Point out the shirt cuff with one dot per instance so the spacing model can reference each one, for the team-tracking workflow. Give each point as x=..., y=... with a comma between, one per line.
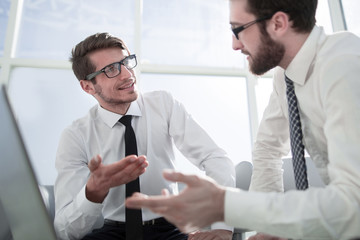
x=221, y=225
x=87, y=207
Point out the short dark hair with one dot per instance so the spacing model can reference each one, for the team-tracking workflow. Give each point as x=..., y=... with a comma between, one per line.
x=81, y=64
x=301, y=12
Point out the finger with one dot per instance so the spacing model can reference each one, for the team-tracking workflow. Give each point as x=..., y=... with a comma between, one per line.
x=122, y=173
x=136, y=204
x=132, y=169
x=140, y=168
x=139, y=195
x=129, y=162
x=165, y=192
x=174, y=176
x=153, y=202
x=135, y=162
x=94, y=163
x=142, y=158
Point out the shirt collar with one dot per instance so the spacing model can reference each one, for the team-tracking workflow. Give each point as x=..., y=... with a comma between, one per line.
x=298, y=68
x=111, y=118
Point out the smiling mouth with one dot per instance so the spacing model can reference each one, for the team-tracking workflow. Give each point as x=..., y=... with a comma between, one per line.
x=129, y=85
x=245, y=53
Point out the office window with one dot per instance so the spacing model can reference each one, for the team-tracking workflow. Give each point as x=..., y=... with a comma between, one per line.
x=44, y=108
x=4, y=17
x=187, y=32
x=219, y=105
x=323, y=16
x=49, y=29
x=263, y=91
x=351, y=10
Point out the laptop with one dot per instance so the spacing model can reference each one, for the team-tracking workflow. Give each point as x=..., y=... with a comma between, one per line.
x=20, y=197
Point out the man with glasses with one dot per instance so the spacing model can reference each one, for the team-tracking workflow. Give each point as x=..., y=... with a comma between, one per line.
x=322, y=72
x=91, y=163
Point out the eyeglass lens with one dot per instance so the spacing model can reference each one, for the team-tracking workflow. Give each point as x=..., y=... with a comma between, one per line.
x=114, y=69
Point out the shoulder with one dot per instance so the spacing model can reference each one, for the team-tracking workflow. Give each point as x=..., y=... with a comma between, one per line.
x=337, y=55
x=338, y=45
x=156, y=99
x=156, y=95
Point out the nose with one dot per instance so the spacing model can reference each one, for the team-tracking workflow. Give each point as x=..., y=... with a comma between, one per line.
x=236, y=44
x=125, y=73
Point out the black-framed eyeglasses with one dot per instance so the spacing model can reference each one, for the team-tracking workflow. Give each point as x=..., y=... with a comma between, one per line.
x=114, y=69
x=237, y=30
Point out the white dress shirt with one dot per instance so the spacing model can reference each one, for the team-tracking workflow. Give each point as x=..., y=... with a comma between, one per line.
x=158, y=122
x=326, y=75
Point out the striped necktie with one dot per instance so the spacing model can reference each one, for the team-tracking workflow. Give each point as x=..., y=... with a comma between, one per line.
x=296, y=137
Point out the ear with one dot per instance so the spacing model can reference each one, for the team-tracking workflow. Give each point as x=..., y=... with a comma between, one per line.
x=87, y=86
x=279, y=24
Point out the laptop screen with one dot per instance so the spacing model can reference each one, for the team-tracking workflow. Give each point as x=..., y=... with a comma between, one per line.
x=20, y=196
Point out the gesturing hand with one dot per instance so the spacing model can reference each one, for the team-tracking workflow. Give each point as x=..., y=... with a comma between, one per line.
x=103, y=177
x=198, y=205
x=261, y=236
x=216, y=234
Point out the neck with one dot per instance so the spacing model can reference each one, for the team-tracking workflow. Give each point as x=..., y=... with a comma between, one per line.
x=293, y=44
x=121, y=108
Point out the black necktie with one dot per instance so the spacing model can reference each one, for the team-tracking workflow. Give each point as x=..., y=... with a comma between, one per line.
x=296, y=137
x=133, y=217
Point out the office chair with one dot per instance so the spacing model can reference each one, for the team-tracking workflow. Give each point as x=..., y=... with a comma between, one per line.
x=312, y=172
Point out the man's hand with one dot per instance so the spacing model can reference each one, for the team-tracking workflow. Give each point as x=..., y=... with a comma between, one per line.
x=262, y=236
x=217, y=234
x=198, y=205
x=103, y=177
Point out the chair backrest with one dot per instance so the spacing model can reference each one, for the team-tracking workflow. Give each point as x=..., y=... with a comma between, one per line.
x=312, y=172
x=243, y=174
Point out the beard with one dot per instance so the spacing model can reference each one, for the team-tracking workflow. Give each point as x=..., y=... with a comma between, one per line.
x=111, y=100
x=269, y=55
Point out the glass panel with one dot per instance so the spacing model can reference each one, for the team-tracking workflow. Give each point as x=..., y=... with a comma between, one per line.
x=50, y=29
x=212, y=101
x=45, y=101
x=323, y=16
x=351, y=11
x=4, y=17
x=187, y=32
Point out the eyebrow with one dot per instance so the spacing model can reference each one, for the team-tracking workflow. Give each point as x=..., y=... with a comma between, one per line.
x=114, y=62
x=236, y=24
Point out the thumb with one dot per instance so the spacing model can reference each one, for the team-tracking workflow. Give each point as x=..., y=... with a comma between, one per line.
x=94, y=163
x=165, y=192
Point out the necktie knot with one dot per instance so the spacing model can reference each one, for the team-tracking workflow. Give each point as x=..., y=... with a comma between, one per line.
x=289, y=83
x=126, y=120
